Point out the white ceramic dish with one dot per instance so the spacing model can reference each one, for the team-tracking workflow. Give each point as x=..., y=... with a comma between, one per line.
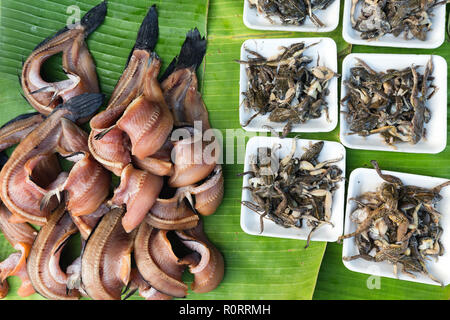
x=326, y=49
x=435, y=37
x=257, y=21
x=250, y=221
x=363, y=180
x=436, y=130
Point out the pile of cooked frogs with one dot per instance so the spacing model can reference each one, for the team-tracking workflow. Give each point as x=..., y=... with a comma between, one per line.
x=140, y=235
x=286, y=86
x=392, y=104
x=294, y=190
x=398, y=224
x=376, y=18
x=292, y=12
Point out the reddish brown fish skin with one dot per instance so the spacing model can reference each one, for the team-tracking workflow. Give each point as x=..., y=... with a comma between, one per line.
x=13, y=133
x=77, y=63
x=209, y=195
x=157, y=263
x=21, y=237
x=108, y=248
x=154, y=165
x=44, y=169
x=182, y=96
x=148, y=125
x=159, y=163
x=113, y=149
x=147, y=120
x=138, y=190
x=191, y=165
x=88, y=186
x=86, y=223
x=18, y=192
x=171, y=214
x=209, y=271
x=145, y=290
x=43, y=263
x=129, y=87
x=15, y=233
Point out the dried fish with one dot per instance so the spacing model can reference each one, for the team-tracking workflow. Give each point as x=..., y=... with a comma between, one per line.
x=291, y=12
x=286, y=87
x=301, y=188
x=391, y=103
x=77, y=64
x=399, y=224
x=377, y=18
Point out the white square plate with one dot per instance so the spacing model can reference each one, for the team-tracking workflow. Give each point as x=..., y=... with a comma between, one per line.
x=327, y=51
x=363, y=180
x=436, y=129
x=250, y=220
x=435, y=37
x=329, y=17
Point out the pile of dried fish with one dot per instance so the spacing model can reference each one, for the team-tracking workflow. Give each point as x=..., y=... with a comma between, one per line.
x=391, y=103
x=286, y=87
x=410, y=17
x=294, y=189
x=293, y=12
x=148, y=219
x=399, y=224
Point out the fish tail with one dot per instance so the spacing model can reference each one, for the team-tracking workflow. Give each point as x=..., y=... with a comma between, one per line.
x=82, y=106
x=93, y=18
x=192, y=51
x=191, y=54
x=148, y=32
x=90, y=21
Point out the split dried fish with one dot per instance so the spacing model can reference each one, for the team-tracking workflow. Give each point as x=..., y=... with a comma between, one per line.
x=399, y=224
x=134, y=130
x=286, y=87
x=391, y=103
x=296, y=190
x=380, y=17
x=291, y=12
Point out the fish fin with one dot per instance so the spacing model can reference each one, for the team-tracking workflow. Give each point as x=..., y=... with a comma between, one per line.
x=81, y=106
x=191, y=54
x=192, y=51
x=94, y=18
x=148, y=32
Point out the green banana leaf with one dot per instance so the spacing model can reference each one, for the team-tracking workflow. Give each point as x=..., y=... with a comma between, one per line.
x=255, y=267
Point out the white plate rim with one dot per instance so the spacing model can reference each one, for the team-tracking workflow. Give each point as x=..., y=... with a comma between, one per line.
x=332, y=98
x=442, y=106
x=338, y=197
x=309, y=27
x=398, y=42
x=348, y=244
